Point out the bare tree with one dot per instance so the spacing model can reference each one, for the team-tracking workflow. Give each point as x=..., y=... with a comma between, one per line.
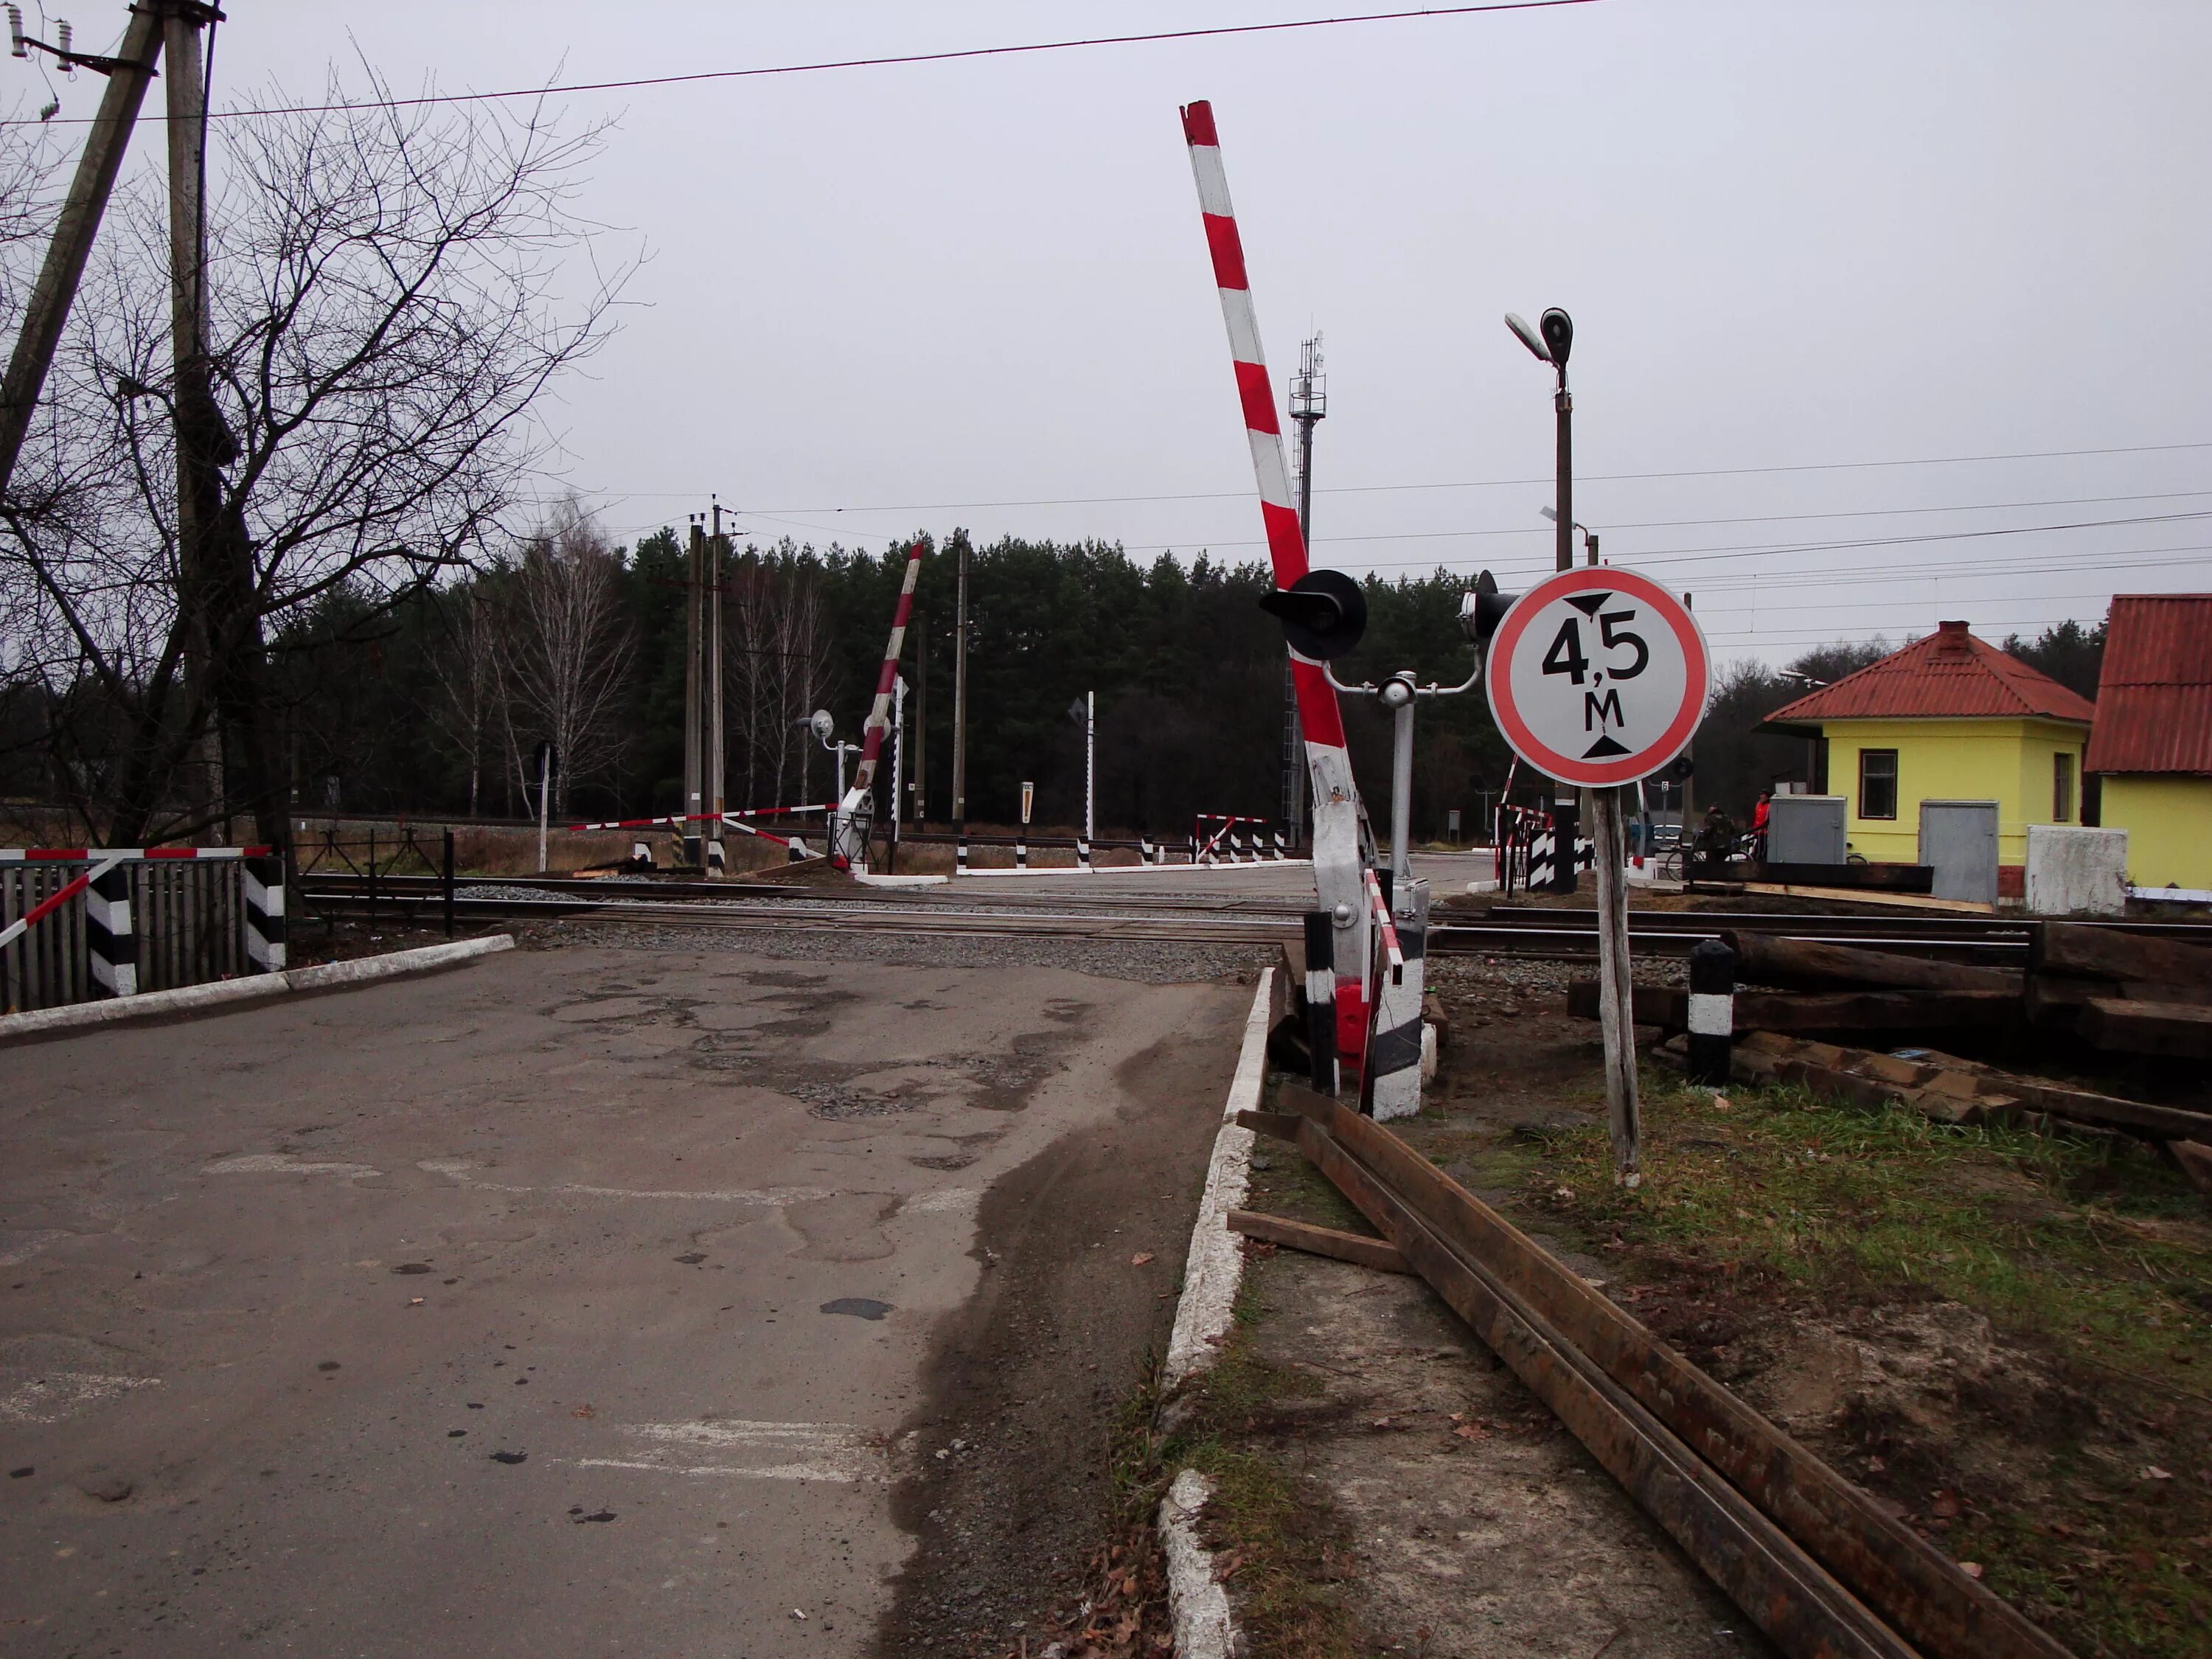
x=390, y=294
x=565, y=645
x=464, y=669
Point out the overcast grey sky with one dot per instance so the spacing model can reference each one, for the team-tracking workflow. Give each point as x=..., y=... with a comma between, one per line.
x=1791, y=236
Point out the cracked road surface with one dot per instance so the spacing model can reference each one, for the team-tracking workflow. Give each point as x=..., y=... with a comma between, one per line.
x=580, y=1300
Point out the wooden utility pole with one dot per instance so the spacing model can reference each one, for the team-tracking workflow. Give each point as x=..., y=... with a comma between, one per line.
x=960, y=700
x=46, y=313
x=694, y=851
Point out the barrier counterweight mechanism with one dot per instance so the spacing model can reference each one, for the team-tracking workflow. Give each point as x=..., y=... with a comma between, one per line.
x=848, y=837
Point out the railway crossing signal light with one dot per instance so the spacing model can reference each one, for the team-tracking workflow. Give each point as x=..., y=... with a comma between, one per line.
x=1323, y=613
x=1482, y=610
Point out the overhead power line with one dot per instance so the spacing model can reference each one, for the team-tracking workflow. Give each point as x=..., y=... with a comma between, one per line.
x=891, y=60
x=1453, y=484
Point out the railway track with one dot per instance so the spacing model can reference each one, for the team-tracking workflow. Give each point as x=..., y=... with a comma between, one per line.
x=1527, y=932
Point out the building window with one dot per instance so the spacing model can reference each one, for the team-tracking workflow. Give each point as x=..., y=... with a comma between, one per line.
x=2062, y=788
x=1877, y=783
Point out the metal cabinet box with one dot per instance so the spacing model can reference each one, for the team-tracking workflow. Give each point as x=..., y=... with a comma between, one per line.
x=1958, y=841
x=1805, y=830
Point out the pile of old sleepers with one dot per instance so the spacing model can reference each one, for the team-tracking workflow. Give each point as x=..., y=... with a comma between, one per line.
x=2127, y=994
x=1815, y=1560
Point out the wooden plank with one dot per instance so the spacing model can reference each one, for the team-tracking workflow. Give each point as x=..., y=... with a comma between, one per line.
x=1854, y=877
x=1377, y=1253
x=1667, y=1008
x=2084, y=948
x=2171, y=1028
x=1907, y=1579
x=1852, y=896
x=1810, y=964
x=1283, y=1126
x=1874, y=1078
x=1779, y=1586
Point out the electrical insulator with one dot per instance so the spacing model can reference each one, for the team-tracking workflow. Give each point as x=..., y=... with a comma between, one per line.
x=16, y=46
x=62, y=34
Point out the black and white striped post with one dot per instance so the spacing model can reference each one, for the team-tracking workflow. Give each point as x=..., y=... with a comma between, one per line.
x=1320, y=999
x=111, y=940
x=1146, y=850
x=446, y=884
x=959, y=855
x=1712, y=1014
x=1082, y=851
x=1022, y=851
x=263, y=879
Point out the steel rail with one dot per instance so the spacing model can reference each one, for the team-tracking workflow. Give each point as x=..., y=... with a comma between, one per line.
x=1814, y=1559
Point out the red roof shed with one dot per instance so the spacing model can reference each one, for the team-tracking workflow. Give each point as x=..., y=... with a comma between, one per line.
x=1949, y=675
x=2155, y=695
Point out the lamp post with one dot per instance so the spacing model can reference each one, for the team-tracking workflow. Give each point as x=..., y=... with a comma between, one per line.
x=1589, y=536
x=1550, y=342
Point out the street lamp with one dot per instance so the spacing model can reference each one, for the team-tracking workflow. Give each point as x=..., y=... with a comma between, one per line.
x=1589, y=536
x=1550, y=342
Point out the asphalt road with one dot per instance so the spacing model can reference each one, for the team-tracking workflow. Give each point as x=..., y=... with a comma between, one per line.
x=583, y=1301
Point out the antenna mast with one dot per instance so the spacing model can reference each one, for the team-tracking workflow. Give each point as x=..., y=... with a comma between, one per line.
x=1308, y=404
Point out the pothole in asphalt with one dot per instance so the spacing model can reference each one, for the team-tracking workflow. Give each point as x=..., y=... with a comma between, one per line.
x=860, y=1307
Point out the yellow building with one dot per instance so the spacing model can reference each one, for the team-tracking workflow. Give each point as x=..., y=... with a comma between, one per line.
x=2152, y=744
x=1948, y=718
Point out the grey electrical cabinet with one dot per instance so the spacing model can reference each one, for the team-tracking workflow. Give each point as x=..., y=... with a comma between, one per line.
x=1805, y=830
x=1958, y=843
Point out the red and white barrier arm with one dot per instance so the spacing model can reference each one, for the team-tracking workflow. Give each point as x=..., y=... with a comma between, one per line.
x=879, y=715
x=38, y=913
x=1394, y=956
x=123, y=854
x=695, y=817
x=1336, y=860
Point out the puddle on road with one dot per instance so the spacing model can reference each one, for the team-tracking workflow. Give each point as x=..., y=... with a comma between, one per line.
x=860, y=1307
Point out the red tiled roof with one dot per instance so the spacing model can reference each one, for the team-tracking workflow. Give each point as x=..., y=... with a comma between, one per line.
x=2155, y=697
x=1950, y=675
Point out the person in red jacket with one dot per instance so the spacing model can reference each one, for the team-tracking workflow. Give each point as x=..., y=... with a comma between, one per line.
x=1760, y=814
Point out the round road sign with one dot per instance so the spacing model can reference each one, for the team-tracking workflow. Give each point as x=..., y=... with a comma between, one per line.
x=1598, y=676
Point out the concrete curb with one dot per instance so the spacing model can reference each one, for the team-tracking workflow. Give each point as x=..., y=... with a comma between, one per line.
x=1204, y=1628
x=1215, y=1266
x=1213, y=1272
x=903, y=881
x=218, y=994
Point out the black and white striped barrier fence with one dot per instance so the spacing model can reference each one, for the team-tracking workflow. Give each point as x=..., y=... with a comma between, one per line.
x=1712, y=1014
x=264, y=885
x=111, y=942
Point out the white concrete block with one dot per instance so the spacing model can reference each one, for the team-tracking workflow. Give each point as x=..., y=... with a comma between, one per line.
x=2076, y=872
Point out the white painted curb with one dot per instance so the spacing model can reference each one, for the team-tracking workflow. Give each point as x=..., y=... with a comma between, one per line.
x=1203, y=1628
x=1211, y=1275
x=219, y=993
x=902, y=881
x=1215, y=1266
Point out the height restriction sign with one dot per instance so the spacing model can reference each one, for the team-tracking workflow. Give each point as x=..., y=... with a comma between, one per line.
x=1598, y=676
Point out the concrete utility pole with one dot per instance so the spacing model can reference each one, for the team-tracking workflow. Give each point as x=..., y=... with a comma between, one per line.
x=694, y=793
x=46, y=313
x=718, y=550
x=960, y=702
x=205, y=444
x=1090, y=765
x=920, y=785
